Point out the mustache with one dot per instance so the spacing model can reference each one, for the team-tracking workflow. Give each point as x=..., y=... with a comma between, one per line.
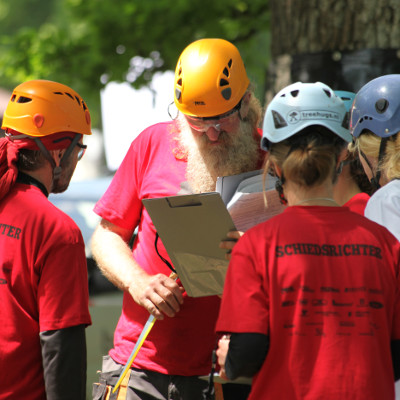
x=224, y=138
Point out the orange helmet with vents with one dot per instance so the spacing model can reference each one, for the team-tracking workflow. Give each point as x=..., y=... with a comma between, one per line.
x=210, y=78
x=40, y=108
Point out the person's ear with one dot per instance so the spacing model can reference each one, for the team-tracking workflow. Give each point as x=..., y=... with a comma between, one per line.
x=341, y=160
x=277, y=169
x=344, y=154
x=244, y=109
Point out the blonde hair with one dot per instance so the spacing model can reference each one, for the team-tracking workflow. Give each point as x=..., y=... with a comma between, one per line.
x=368, y=143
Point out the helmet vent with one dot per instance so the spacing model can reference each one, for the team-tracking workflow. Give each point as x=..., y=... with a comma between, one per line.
x=294, y=93
x=23, y=99
x=79, y=101
x=227, y=93
x=223, y=82
x=13, y=97
x=365, y=118
x=179, y=82
x=327, y=92
x=230, y=63
x=226, y=72
x=381, y=106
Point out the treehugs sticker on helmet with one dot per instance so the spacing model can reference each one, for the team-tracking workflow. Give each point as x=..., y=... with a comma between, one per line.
x=295, y=116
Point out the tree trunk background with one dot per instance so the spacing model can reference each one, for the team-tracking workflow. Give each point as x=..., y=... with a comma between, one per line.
x=343, y=43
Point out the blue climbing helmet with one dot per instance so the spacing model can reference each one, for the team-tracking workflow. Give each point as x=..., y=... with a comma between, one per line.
x=376, y=107
x=300, y=105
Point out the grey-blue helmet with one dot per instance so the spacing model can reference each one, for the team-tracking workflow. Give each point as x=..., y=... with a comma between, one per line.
x=376, y=107
x=300, y=105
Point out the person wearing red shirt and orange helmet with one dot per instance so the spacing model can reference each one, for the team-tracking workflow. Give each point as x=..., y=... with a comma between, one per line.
x=43, y=272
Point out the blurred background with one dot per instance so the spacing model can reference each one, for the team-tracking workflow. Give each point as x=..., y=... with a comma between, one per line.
x=120, y=56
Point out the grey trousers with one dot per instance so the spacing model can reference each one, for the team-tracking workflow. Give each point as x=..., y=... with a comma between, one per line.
x=149, y=385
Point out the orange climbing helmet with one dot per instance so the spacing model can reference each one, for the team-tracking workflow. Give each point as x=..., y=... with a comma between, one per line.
x=210, y=78
x=40, y=108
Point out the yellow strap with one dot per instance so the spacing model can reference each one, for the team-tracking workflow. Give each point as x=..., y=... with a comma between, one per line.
x=123, y=388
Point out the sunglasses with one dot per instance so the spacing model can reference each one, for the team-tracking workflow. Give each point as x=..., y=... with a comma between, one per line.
x=220, y=123
x=82, y=150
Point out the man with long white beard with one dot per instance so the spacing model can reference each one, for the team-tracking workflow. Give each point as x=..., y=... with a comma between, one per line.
x=216, y=134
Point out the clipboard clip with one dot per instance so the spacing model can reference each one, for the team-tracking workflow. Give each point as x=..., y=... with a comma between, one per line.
x=177, y=202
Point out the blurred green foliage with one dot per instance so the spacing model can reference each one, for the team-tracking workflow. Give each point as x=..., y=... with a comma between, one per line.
x=87, y=43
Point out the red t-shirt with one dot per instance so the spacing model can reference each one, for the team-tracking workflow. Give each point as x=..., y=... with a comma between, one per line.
x=358, y=203
x=155, y=167
x=323, y=283
x=181, y=345
x=43, y=285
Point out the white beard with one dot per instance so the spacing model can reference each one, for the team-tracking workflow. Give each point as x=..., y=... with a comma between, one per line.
x=238, y=152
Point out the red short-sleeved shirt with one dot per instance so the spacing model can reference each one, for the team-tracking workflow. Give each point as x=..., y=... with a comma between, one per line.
x=323, y=283
x=43, y=285
x=358, y=203
x=154, y=167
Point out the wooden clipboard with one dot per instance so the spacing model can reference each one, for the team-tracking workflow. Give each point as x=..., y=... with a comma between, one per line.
x=191, y=228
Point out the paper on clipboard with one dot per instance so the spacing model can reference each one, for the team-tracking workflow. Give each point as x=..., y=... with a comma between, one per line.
x=244, y=195
x=191, y=228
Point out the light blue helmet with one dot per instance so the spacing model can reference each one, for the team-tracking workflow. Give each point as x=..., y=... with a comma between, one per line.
x=376, y=107
x=347, y=98
x=300, y=105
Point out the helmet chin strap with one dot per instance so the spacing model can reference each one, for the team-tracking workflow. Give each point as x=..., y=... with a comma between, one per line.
x=57, y=169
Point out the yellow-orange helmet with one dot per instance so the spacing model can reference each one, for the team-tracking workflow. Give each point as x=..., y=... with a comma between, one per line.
x=40, y=108
x=210, y=78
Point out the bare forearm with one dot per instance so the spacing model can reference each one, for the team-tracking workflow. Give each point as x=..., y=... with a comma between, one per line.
x=114, y=258
x=159, y=294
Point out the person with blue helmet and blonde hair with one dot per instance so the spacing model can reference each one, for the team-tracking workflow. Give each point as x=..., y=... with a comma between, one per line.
x=375, y=126
x=352, y=189
x=311, y=306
